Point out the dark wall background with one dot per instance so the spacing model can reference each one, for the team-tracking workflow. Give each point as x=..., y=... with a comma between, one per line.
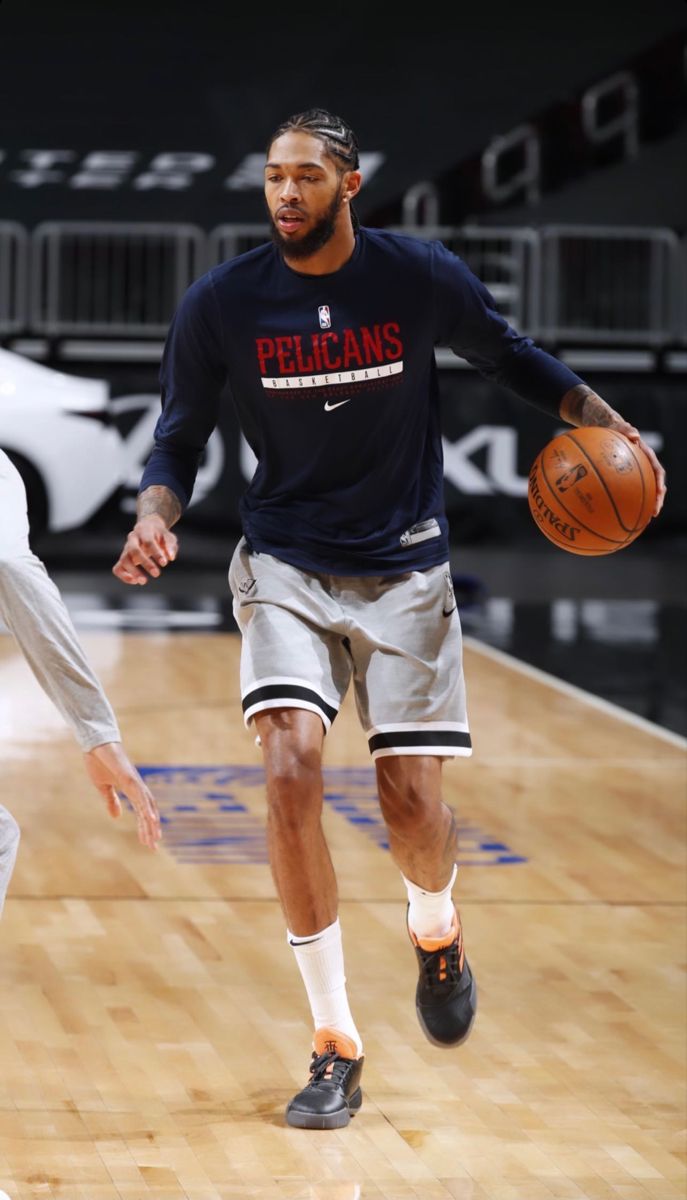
x=427, y=86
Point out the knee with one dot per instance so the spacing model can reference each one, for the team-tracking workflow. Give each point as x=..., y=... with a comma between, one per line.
x=291, y=740
x=403, y=807
x=409, y=793
x=294, y=793
x=293, y=766
x=293, y=773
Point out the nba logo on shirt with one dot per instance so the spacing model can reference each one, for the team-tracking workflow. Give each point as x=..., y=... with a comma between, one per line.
x=325, y=316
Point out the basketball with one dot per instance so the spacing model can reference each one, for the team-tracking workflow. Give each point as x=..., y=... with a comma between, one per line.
x=591, y=490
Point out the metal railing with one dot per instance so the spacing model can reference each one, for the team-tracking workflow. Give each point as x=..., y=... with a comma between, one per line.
x=608, y=284
x=680, y=294
x=561, y=283
x=114, y=279
x=13, y=277
x=226, y=241
x=504, y=258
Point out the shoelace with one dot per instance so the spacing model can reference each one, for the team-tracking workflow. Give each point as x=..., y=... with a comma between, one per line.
x=329, y=1067
x=440, y=967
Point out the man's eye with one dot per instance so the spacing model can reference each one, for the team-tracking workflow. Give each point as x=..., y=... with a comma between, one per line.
x=273, y=178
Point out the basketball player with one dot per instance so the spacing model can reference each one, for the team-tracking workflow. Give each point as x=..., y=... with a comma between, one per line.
x=33, y=611
x=326, y=340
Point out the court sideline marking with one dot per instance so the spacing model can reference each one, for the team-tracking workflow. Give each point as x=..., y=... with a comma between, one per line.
x=570, y=689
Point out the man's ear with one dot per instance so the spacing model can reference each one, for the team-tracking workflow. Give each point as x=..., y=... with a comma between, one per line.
x=353, y=184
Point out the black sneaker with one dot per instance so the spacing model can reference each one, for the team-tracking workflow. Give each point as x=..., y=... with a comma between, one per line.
x=333, y=1094
x=446, y=996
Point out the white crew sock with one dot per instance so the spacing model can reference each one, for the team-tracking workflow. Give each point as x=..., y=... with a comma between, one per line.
x=320, y=962
x=431, y=913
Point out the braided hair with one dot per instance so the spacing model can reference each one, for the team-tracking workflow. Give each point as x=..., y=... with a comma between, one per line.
x=340, y=142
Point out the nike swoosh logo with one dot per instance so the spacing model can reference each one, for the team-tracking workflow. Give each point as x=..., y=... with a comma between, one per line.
x=330, y=407
x=309, y=941
x=450, y=610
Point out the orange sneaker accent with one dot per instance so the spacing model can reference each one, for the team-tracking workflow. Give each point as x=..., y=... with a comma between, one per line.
x=433, y=944
x=330, y=1041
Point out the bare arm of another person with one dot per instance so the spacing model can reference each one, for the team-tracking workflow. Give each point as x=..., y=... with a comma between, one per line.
x=582, y=406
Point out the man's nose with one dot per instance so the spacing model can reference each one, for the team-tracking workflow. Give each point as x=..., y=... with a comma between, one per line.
x=290, y=192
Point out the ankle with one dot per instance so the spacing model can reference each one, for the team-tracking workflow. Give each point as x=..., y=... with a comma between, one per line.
x=430, y=914
x=321, y=964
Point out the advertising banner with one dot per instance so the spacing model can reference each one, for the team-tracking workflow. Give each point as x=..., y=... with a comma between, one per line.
x=490, y=440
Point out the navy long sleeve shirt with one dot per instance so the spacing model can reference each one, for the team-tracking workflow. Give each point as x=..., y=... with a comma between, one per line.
x=335, y=385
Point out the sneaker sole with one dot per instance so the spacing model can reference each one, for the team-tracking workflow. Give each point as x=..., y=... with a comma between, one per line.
x=464, y=1036
x=336, y=1120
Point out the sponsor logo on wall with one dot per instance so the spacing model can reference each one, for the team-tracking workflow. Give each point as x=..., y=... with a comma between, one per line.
x=136, y=170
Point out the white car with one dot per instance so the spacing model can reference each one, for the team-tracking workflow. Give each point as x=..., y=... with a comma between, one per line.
x=57, y=429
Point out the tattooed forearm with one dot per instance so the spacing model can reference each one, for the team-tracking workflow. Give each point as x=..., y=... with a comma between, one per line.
x=582, y=406
x=159, y=501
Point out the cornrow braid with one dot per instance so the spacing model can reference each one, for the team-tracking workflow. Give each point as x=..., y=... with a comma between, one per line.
x=340, y=141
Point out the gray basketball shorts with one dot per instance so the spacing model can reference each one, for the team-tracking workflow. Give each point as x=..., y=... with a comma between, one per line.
x=306, y=635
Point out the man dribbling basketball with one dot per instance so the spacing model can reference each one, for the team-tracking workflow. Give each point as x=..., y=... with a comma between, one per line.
x=326, y=340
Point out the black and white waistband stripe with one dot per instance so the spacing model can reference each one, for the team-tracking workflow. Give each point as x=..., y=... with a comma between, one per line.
x=284, y=694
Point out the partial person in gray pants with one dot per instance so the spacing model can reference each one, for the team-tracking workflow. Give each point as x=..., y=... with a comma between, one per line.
x=34, y=612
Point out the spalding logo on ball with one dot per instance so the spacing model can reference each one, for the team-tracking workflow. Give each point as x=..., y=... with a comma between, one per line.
x=591, y=490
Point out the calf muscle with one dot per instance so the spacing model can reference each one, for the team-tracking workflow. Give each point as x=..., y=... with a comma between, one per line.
x=423, y=836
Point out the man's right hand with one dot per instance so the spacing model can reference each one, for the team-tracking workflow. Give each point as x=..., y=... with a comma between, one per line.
x=111, y=770
x=148, y=548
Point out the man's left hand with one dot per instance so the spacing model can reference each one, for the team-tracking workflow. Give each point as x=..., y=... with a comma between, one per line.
x=633, y=435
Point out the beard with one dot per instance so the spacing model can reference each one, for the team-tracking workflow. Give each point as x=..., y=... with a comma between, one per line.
x=315, y=238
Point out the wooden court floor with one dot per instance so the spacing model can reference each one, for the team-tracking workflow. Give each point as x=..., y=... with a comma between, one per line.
x=152, y=1023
